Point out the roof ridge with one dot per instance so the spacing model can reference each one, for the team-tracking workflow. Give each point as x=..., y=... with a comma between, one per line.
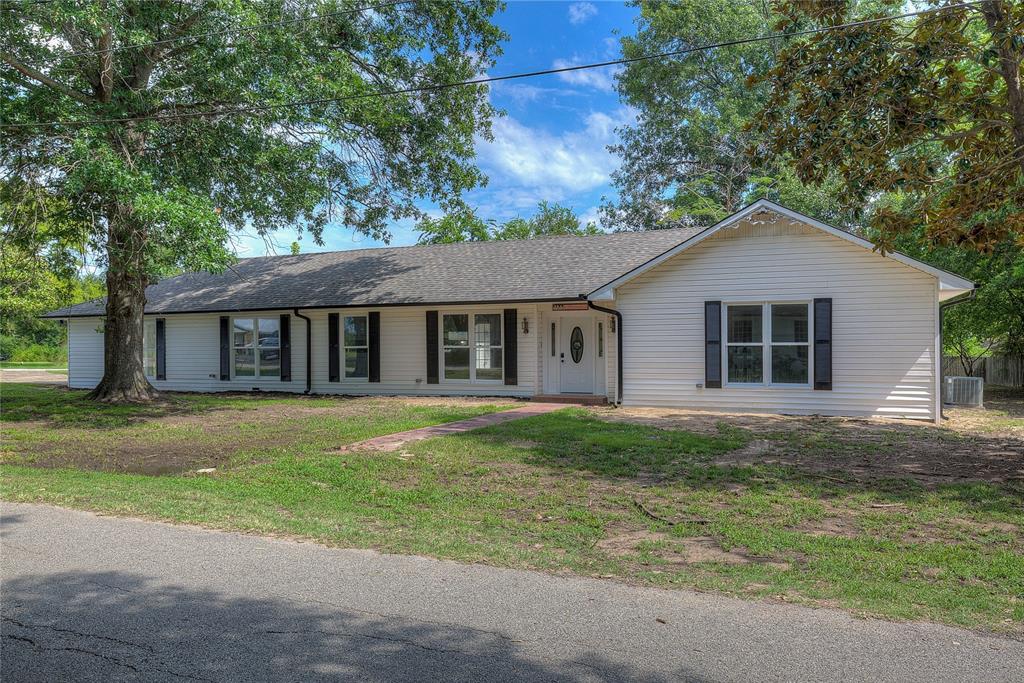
x=660, y=231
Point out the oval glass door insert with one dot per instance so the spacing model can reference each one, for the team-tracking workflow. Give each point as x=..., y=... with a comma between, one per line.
x=576, y=344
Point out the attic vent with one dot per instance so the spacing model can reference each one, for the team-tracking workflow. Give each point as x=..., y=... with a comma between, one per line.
x=963, y=391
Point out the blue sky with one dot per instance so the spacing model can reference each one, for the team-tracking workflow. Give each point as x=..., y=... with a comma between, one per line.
x=551, y=143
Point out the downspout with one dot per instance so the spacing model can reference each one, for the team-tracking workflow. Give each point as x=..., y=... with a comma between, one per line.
x=618, y=344
x=309, y=351
x=942, y=328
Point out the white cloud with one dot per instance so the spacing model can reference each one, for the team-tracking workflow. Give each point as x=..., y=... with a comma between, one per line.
x=532, y=158
x=524, y=93
x=591, y=215
x=602, y=78
x=580, y=12
x=611, y=46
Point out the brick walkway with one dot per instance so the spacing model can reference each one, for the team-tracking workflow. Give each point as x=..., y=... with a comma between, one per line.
x=393, y=442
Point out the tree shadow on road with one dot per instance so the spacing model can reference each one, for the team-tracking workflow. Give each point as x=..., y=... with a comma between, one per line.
x=108, y=626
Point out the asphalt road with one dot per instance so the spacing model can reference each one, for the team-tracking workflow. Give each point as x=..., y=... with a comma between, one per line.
x=89, y=598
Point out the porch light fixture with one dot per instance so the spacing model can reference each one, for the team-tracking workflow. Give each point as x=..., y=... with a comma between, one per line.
x=611, y=323
x=526, y=325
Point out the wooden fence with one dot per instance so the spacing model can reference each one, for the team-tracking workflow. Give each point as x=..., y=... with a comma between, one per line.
x=1002, y=370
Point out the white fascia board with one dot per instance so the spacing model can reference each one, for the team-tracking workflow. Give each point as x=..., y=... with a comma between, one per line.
x=950, y=285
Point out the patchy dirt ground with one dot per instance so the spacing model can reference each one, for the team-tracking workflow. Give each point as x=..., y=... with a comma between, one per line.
x=33, y=376
x=173, y=435
x=984, y=444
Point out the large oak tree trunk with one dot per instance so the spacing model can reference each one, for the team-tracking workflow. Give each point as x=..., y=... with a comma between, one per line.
x=124, y=379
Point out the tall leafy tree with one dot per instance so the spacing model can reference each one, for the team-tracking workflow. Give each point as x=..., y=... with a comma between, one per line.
x=551, y=220
x=180, y=128
x=993, y=322
x=459, y=226
x=686, y=159
x=929, y=107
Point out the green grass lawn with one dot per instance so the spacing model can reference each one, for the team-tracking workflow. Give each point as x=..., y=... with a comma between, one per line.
x=564, y=491
x=33, y=365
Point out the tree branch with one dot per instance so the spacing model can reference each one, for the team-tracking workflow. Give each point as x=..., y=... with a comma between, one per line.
x=42, y=78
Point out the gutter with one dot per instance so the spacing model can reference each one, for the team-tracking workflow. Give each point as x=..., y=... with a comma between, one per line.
x=618, y=344
x=963, y=298
x=309, y=351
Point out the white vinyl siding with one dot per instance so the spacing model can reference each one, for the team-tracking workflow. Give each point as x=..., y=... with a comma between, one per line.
x=85, y=352
x=883, y=328
x=193, y=355
x=403, y=354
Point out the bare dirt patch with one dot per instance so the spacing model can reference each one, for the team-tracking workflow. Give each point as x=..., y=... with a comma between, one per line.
x=971, y=445
x=174, y=437
x=840, y=527
x=672, y=551
x=32, y=376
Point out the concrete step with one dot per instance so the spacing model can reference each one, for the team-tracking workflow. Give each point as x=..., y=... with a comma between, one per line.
x=577, y=399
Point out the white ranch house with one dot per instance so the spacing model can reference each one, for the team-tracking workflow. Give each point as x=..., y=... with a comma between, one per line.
x=767, y=311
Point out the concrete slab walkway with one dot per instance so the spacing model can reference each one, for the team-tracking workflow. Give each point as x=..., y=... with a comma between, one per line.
x=33, y=376
x=393, y=442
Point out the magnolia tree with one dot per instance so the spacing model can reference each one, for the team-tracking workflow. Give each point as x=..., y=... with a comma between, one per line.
x=162, y=126
x=925, y=111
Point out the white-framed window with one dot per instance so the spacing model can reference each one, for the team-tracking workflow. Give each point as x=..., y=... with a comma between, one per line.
x=600, y=340
x=767, y=343
x=790, y=343
x=472, y=354
x=256, y=347
x=356, y=341
x=487, y=346
x=149, y=347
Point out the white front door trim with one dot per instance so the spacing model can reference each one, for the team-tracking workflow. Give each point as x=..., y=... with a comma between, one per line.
x=576, y=372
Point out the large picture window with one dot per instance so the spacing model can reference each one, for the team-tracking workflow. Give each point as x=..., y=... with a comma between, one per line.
x=357, y=347
x=768, y=343
x=257, y=347
x=149, y=347
x=476, y=356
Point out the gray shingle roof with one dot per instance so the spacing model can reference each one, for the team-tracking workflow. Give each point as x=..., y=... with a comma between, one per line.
x=520, y=270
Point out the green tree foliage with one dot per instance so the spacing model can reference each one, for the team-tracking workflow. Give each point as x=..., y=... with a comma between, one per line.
x=930, y=107
x=551, y=220
x=686, y=160
x=41, y=256
x=31, y=284
x=176, y=167
x=460, y=226
x=993, y=322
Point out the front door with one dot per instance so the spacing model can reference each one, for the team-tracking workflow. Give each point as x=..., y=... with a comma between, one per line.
x=576, y=356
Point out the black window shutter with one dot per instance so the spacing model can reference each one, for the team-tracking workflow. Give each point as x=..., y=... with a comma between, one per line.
x=713, y=344
x=433, y=376
x=373, y=325
x=225, y=348
x=511, y=349
x=333, y=349
x=823, y=344
x=286, y=347
x=161, y=348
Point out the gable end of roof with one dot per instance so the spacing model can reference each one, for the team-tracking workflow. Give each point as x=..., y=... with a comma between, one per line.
x=950, y=284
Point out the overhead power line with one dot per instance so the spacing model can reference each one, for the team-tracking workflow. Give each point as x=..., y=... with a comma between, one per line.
x=433, y=87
